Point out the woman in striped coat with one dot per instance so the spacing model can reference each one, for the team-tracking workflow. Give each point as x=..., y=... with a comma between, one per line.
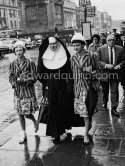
x=83, y=65
x=22, y=76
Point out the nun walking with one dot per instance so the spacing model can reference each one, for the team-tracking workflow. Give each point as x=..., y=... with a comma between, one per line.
x=54, y=72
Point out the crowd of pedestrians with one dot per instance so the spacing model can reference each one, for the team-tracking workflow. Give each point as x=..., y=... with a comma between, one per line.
x=72, y=82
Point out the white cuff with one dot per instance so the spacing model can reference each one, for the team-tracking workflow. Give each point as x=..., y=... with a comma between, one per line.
x=119, y=66
x=105, y=66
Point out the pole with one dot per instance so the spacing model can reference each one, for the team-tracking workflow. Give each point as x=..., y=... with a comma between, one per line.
x=85, y=13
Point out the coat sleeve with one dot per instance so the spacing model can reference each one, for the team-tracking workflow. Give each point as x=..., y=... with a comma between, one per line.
x=33, y=72
x=100, y=59
x=12, y=77
x=122, y=59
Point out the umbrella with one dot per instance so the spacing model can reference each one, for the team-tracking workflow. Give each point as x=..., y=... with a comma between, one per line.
x=43, y=110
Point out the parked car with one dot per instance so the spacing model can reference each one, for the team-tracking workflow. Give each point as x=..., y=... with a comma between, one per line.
x=28, y=43
x=9, y=42
x=3, y=50
x=38, y=39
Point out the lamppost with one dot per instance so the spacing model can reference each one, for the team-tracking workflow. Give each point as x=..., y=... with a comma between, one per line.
x=85, y=12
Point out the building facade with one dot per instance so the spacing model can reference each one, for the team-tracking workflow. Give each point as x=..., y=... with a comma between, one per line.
x=70, y=14
x=102, y=22
x=10, y=15
x=80, y=15
x=42, y=15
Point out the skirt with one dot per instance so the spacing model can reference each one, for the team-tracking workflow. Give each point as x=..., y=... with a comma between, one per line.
x=25, y=106
x=79, y=105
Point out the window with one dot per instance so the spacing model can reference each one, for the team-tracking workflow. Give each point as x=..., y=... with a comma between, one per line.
x=31, y=15
x=15, y=24
x=42, y=15
x=14, y=13
x=58, y=14
x=19, y=25
x=4, y=13
x=10, y=13
x=11, y=24
x=13, y=2
x=19, y=14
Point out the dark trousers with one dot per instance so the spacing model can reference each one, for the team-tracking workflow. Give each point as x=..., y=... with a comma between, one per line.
x=113, y=84
x=123, y=80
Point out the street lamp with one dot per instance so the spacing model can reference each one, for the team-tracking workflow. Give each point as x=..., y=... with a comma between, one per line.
x=85, y=13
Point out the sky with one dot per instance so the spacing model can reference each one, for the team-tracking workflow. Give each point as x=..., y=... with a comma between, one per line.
x=115, y=8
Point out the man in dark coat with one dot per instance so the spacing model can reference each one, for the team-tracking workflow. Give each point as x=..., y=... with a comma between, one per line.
x=111, y=60
x=122, y=43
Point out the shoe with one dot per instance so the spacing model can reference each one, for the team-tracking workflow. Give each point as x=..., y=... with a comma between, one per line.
x=86, y=143
x=115, y=112
x=36, y=128
x=105, y=106
x=22, y=140
x=56, y=140
x=68, y=137
x=90, y=126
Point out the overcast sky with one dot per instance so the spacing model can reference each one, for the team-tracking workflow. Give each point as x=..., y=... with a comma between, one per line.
x=116, y=8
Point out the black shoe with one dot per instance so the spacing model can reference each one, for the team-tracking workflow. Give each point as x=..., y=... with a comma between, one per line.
x=68, y=137
x=86, y=143
x=56, y=140
x=90, y=126
x=115, y=112
x=105, y=106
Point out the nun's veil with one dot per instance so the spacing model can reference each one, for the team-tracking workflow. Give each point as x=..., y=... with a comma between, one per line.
x=42, y=49
x=45, y=44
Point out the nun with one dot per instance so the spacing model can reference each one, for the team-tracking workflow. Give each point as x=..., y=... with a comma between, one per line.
x=54, y=71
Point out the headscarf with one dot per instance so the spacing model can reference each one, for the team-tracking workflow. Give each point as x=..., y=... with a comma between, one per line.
x=43, y=47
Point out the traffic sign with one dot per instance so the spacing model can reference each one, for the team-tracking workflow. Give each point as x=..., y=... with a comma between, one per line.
x=84, y=2
x=90, y=11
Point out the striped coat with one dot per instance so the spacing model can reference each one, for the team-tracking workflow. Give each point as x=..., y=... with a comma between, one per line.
x=80, y=64
x=15, y=69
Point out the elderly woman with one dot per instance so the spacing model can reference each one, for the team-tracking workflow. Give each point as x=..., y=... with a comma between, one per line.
x=54, y=70
x=22, y=76
x=83, y=66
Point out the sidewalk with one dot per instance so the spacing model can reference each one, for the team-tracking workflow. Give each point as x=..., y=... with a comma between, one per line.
x=106, y=149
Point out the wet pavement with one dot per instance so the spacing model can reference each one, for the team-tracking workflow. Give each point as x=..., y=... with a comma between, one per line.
x=107, y=147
